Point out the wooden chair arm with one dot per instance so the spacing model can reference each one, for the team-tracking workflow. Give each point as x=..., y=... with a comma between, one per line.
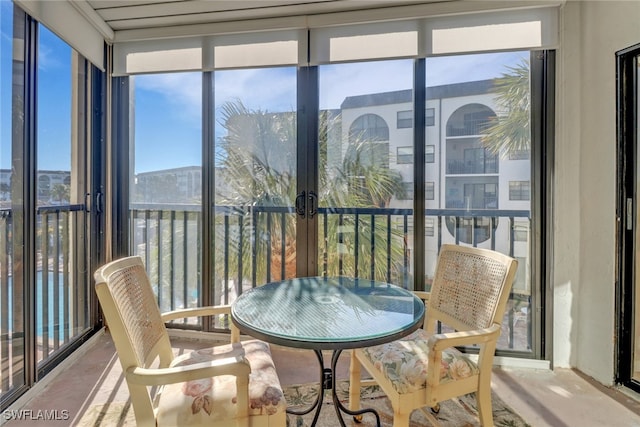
x=237, y=366
x=439, y=342
x=423, y=295
x=196, y=312
x=203, y=311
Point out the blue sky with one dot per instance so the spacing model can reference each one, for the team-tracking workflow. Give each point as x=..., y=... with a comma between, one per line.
x=168, y=106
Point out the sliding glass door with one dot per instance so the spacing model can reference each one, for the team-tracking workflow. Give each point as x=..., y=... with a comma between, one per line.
x=478, y=176
x=255, y=159
x=628, y=295
x=46, y=308
x=166, y=184
x=365, y=179
x=213, y=182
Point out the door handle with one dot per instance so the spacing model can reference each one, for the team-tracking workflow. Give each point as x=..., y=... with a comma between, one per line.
x=313, y=204
x=301, y=204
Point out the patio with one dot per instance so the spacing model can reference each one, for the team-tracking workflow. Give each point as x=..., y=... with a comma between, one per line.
x=559, y=398
x=569, y=310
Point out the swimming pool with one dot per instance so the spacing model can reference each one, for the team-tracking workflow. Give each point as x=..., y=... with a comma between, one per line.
x=53, y=325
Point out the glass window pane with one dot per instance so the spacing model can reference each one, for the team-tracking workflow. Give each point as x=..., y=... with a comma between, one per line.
x=430, y=117
x=166, y=189
x=12, y=316
x=430, y=153
x=62, y=293
x=405, y=119
x=255, y=176
x=404, y=155
x=482, y=120
x=366, y=165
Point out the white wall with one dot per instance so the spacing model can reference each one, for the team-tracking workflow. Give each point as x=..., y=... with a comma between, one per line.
x=585, y=183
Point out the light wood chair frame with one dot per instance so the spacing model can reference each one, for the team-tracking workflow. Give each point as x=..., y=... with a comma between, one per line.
x=148, y=364
x=466, y=334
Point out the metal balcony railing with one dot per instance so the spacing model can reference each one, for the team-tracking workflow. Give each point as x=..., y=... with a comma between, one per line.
x=488, y=165
x=256, y=245
x=60, y=294
x=469, y=127
x=253, y=245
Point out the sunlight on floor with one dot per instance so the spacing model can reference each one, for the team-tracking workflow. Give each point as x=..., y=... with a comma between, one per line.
x=561, y=391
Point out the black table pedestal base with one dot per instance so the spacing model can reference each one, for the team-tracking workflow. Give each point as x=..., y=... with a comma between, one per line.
x=328, y=382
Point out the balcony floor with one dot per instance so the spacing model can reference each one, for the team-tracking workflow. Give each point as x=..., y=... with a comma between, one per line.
x=556, y=398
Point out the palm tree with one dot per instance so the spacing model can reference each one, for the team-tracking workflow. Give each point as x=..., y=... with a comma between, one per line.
x=256, y=169
x=60, y=192
x=257, y=160
x=510, y=131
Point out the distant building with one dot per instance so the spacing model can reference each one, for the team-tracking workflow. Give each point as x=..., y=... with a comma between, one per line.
x=460, y=173
x=177, y=185
x=47, y=181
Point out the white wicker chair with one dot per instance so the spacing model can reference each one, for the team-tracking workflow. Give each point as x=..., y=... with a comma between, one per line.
x=469, y=294
x=228, y=385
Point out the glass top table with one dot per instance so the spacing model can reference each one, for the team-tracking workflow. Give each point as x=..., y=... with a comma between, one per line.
x=328, y=313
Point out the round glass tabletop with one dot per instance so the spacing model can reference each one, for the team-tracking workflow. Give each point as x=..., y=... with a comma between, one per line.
x=327, y=313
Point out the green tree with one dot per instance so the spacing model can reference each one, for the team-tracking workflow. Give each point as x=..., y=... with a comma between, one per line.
x=510, y=131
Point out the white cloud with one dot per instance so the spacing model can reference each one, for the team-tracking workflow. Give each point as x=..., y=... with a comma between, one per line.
x=272, y=89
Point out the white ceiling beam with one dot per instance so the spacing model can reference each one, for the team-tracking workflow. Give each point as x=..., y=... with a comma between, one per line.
x=92, y=16
x=424, y=10
x=162, y=17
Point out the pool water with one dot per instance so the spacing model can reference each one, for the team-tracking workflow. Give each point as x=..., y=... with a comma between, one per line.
x=52, y=325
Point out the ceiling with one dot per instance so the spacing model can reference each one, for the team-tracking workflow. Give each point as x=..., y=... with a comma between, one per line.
x=137, y=14
x=126, y=16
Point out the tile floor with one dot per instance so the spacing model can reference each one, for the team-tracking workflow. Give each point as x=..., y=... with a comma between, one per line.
x=559, y=398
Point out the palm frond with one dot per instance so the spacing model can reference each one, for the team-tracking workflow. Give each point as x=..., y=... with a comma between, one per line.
x=510, y=131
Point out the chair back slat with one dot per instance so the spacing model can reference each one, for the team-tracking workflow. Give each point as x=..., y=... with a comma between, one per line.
x=471, y=286
x=137, y=312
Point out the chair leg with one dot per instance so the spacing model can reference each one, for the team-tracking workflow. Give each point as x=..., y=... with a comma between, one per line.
x=401, y=419
x=485, y=410
x=354, y=382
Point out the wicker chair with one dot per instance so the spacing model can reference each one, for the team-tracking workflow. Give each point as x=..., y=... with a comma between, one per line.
x=469, y=294
x=229, y=385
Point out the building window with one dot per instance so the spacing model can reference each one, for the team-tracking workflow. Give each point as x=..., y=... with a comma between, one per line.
x=408, y=191
x=429, y=190
x=476, y=196
x=430, y=117
x=368, y=127
x=400, y=224
x=430, y=153
x=519, y=190
x=429, y=227
x=478, y=160
x=405, y=119
x=405, y=155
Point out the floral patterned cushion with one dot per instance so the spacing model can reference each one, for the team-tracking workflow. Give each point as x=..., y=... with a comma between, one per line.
x=203, y=401
x=404, y=362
